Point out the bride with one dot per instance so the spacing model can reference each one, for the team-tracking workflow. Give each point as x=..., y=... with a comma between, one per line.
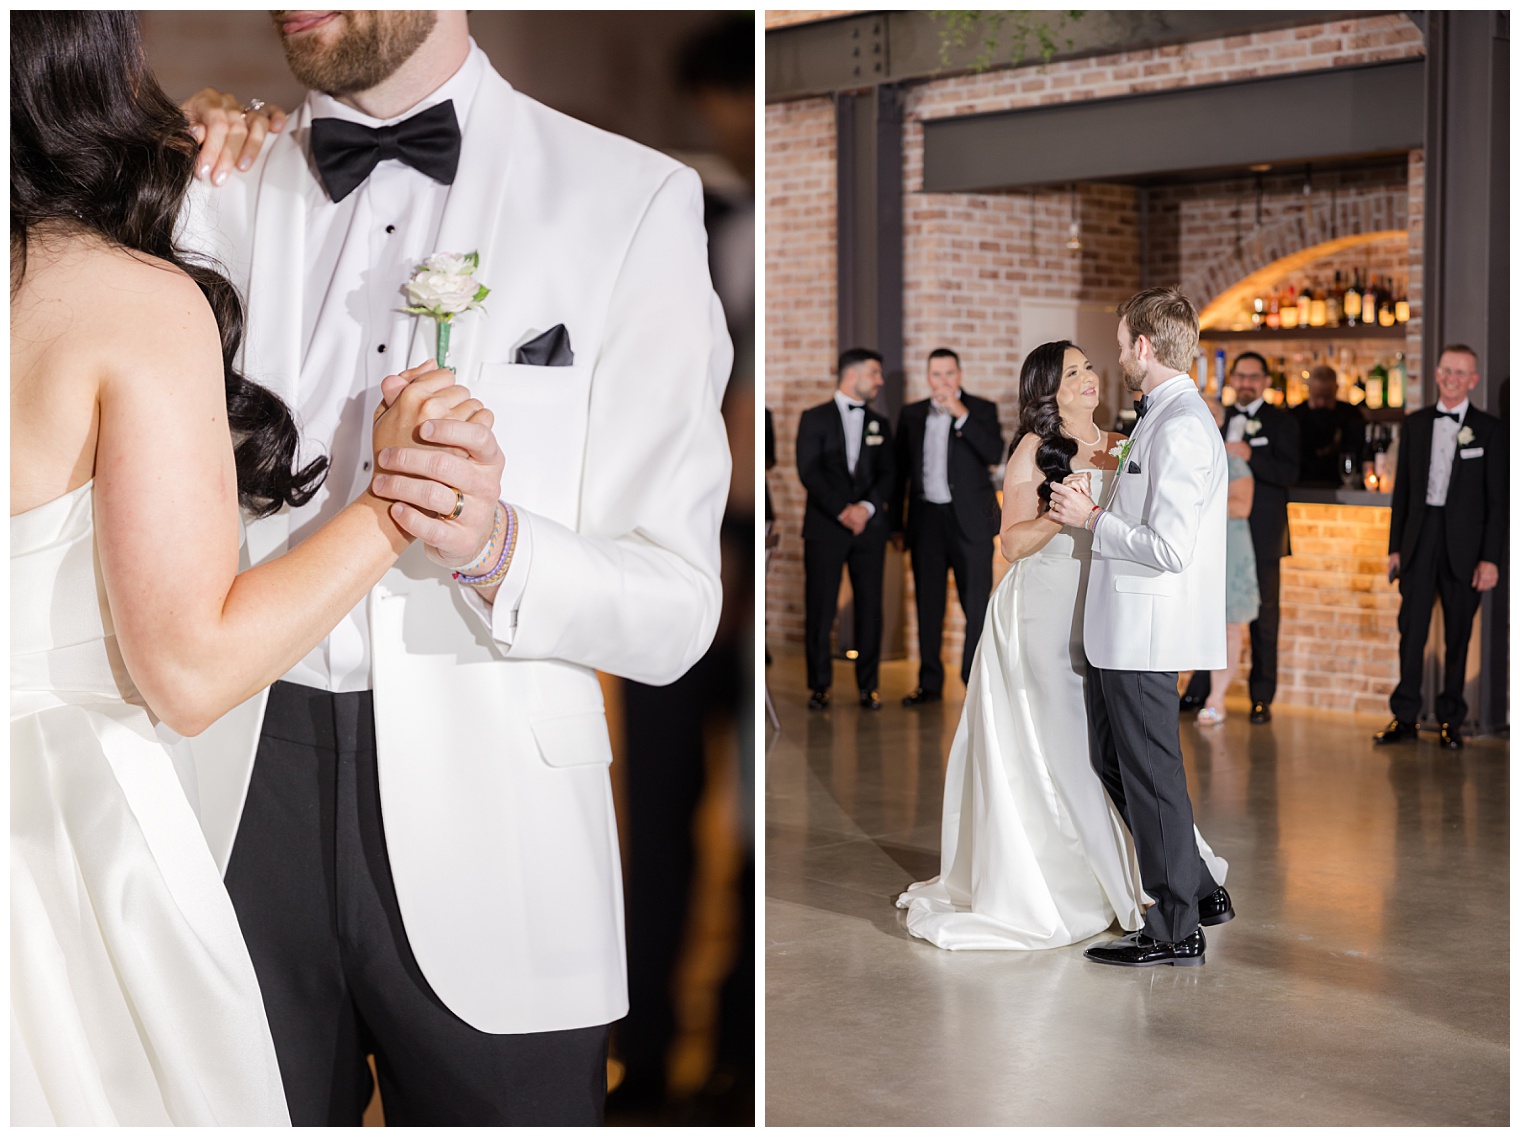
x=1032, y=852
x=133, y=444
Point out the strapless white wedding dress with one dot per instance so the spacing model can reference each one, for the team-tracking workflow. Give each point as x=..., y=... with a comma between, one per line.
x=133, y=1000
x=1033, y=853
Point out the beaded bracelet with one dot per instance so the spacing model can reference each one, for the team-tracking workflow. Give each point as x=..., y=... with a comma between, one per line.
x=489, y=551
x=499, y=571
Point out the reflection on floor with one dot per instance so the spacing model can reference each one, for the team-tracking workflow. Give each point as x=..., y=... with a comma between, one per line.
x=1365, y=982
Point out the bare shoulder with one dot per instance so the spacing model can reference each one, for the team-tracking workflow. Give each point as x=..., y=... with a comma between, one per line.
x=1023, y=454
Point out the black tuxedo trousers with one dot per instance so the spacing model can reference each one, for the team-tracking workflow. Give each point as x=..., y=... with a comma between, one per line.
x=940, y=547
x=823, y=560
x=1136, y=751
x=1429, y=574
x=311, y=883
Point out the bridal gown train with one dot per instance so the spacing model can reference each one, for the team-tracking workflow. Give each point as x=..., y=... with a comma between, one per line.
x=1033, y=853
x=133, y=1000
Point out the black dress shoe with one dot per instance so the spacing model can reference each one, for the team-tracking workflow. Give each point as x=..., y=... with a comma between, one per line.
x=870, y=700
x=1215, y=908
x=919, y=697
x=1138, y=950
x=1451, y=736
x=1396, y=731
x=1189, y=703
x=1260, y=713
x=819, y=700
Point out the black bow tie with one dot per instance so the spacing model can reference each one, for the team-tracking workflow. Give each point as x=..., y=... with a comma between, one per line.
x=849, y=406
x=1141, y=406
x=346, y=152
x=1449, y=414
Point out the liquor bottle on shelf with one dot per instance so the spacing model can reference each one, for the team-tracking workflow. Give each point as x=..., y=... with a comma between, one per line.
x=1316, y=306
x=1258, y=310
x=1273, y=317
x=1305, y=306
x=1351, y=303
x=1357, y=394
x=1288, y=308
x=1398, y=378
x=1385, y=316
x=1401, y=305
x=1333, y=303
x=1377, y=381
x=1369, y=301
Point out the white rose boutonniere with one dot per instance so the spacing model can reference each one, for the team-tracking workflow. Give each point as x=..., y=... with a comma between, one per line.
x=1252, y=426
x=1465, y=436
x=1120, y=451
x=443, y=286
x=873, y=427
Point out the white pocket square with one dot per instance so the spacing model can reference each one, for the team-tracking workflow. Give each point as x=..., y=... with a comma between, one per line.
x=874, y=440
x=1259, y=441
x=1473, y=452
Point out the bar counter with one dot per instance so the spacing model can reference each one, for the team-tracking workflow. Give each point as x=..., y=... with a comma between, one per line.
x=1338, y=644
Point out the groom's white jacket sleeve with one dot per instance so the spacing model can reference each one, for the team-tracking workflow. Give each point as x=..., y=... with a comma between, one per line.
x=1180, y=478
x=635, y=592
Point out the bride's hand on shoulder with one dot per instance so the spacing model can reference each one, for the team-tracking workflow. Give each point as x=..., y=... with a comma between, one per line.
x=228, y=135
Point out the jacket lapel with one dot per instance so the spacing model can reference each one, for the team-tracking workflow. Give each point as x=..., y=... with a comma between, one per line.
x=472, y=216
x=272, y=344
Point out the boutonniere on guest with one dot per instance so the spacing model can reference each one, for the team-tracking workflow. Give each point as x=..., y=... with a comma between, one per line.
x=1252, y=425
x=873, y=433
x=443, y=286
x=1465, y=435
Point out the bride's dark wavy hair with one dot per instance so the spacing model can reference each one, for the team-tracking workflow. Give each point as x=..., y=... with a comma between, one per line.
x=96, y=144
x=1039, y=380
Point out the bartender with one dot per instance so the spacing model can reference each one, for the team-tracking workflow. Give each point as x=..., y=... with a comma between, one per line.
x=1328, y=430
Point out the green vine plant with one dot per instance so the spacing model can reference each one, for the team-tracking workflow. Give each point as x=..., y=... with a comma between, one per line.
x=1022, y=29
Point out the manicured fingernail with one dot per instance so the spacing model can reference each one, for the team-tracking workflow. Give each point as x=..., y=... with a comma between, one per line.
x=245, y=163
x=396, y=510
x=205, y=171
x=426, y=430
x=221, y=177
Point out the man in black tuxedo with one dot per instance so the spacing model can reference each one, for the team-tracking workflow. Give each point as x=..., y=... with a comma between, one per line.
x=1446, y=537
x=947, y=511
x=844, y=458
x=1328, y=431
x=1267, y=438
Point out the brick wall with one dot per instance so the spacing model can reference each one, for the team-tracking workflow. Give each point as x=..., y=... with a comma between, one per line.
x=989, y=274
x=1339, y=639
x=801, y=321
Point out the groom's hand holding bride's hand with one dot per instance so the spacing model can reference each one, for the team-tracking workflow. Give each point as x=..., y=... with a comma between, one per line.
x=1070, y=503
x=451, y=446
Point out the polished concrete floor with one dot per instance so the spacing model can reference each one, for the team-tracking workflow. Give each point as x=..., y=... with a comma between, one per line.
x=1365, y=981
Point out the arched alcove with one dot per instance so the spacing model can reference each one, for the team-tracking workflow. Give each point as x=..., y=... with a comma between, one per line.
x=1223, y=311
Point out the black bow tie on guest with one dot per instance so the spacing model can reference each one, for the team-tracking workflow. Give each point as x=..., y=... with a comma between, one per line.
x=1449, y=414
x=346, y=152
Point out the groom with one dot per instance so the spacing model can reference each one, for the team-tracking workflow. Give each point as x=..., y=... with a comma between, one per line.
x=423, y=856
x=1155, y=606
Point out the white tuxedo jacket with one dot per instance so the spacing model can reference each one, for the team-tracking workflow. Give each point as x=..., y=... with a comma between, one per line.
x=493, y=759
x=1155, y=592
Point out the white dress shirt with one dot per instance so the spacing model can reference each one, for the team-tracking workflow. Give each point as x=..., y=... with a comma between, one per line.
x=937, y=451
x=1235, y=430
x=1443, y=452
x=852, y=413
x=359, y=253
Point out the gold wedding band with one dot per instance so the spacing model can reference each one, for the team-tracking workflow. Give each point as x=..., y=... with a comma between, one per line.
x=458, y=508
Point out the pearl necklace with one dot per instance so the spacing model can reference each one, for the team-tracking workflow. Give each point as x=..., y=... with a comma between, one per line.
x=1083, y=441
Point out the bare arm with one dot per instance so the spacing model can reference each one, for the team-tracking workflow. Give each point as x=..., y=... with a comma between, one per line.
x=1242, y=491
x=196, y=636
x=1026, y=528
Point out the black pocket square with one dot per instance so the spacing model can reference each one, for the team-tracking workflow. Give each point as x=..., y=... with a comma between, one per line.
x=552, y=349
x=1134, y=468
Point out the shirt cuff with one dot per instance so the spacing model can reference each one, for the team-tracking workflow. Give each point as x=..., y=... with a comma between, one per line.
x=960, y=423
x=500, y=616
x=870, y=509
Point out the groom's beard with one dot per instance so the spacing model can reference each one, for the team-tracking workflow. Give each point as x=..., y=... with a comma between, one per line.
x=373, y=45
x=1134, y=377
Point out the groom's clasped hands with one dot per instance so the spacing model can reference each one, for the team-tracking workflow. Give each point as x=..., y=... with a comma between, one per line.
x=437, y=461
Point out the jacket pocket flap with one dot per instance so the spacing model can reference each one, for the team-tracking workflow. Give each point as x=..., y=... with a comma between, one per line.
x=578, y=739
x=1164, y=585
